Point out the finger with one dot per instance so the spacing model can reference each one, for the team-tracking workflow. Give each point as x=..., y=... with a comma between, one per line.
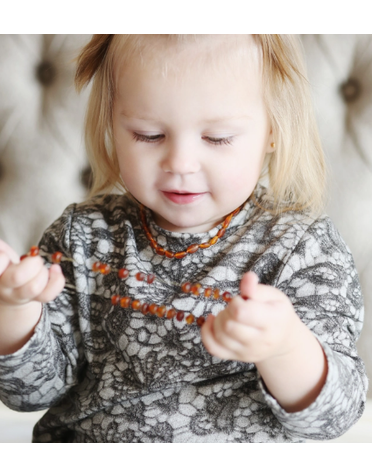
x=251, y=289
x=250, y=313
x=4, y=247
x=248, y=285
x=55, y=285
x=210, y=343
x=4, y=261
x=33, y=288
x=241, y=334
x=18, y=275
x=221, y=332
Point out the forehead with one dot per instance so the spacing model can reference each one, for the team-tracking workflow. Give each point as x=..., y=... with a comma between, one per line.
x=176, y=54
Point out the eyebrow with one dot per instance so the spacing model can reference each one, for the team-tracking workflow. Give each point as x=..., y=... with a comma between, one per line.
x=207, y=121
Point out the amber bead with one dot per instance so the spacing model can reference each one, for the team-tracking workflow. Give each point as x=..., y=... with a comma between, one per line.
x=200, y=321
x=192, y=249
x=145, y=308
x=115, y=299
x=180, y=254
x=196, y=289
x=104, y=268
x=190, y=319
x=125, y=302
x=150, y=278
x=23, y=257
x=153, y=308
x=57, y=257
x=221, y=232
x=235, y=212
x=208, y=292
x=96, y=266
x=186, y=287
x=171, y=313
x=180, y=315
x=227, y=221
x=161, y=311
x=140, y=276
x=123, y=273
x=34, y=251
x=136, y=305
x=213, y=240
x=205, y=245
x=169, y=254
x=160, y=251
x=216, y=293
x=226, y=296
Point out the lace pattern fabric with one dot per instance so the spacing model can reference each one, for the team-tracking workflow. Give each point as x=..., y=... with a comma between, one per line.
x=110, y=374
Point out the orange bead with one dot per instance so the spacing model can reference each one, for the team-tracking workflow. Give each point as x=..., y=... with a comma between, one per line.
x=115, y=299
x=140, y=276
x=192, y=248
x=57, y=257
x=190, y=319
x=226, y=296
x=160, y=251
x=213, y=240
x=227, y=221
x=200, y=321
x=104, y=268
x=23, y=257
x=34, y=251
x=123, y=273
x=150, y=278
x=205, y=245
x=96, y=266
x=125, y=302
x=236, y=211
x=221, y=232
x=180, y=254
x=180, y=315
x=169, y=254
x=171, y=313
x=186, y=287
x=136, y=305
x=145, y=308
x=208, y=292
x=161, y=311
x=196, y=289
x=153, y=308
x=216, y=293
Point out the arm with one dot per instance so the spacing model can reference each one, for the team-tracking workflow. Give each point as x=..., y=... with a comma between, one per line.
x=40, y=364
x=320, y=281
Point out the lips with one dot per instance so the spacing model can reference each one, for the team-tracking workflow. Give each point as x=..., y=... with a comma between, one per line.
x=181, y=197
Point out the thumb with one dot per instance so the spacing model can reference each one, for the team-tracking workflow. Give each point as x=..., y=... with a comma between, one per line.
x=249, y=285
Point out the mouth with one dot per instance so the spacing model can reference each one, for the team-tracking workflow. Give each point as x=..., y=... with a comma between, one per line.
x=181, y=196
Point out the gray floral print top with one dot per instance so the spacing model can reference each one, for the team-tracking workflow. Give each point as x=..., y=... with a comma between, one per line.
x=113, y=374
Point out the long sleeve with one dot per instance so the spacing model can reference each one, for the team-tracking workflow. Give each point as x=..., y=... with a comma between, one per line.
x=42, y=371
x=322, y=283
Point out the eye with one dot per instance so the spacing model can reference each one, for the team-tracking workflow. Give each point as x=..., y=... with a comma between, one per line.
x=218, y=140
x=147, y=138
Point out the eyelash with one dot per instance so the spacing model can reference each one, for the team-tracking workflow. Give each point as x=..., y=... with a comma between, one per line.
x=212, y=140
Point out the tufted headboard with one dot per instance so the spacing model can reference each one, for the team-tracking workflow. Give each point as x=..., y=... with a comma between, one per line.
x=43, y=165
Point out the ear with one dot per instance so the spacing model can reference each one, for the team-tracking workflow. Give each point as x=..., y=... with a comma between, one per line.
x=271, y=146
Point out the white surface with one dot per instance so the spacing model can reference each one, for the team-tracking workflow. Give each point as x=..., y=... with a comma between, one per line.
x=17, y=427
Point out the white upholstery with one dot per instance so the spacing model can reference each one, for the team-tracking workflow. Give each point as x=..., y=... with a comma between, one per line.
x=42, y=155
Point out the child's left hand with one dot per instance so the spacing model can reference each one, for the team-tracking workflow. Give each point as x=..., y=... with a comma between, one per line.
x=256, y=329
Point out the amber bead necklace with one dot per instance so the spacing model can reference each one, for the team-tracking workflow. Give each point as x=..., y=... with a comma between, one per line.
x=145, y=308
x=192, y=248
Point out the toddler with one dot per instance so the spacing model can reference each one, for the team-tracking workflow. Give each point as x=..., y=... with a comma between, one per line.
x=210, y=302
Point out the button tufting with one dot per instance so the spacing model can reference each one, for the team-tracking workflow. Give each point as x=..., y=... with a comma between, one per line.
x=350, y=90
x=87, y=177
x=46, y=73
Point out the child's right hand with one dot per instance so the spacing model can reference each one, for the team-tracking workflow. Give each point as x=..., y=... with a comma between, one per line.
x=22, y=282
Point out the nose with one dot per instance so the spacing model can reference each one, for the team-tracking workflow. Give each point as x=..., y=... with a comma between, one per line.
x=180, y=159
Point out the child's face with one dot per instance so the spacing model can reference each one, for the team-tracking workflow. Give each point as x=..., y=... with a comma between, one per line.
x=191, y=143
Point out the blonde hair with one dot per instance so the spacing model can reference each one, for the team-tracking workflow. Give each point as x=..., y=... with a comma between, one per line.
x=296, y=169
